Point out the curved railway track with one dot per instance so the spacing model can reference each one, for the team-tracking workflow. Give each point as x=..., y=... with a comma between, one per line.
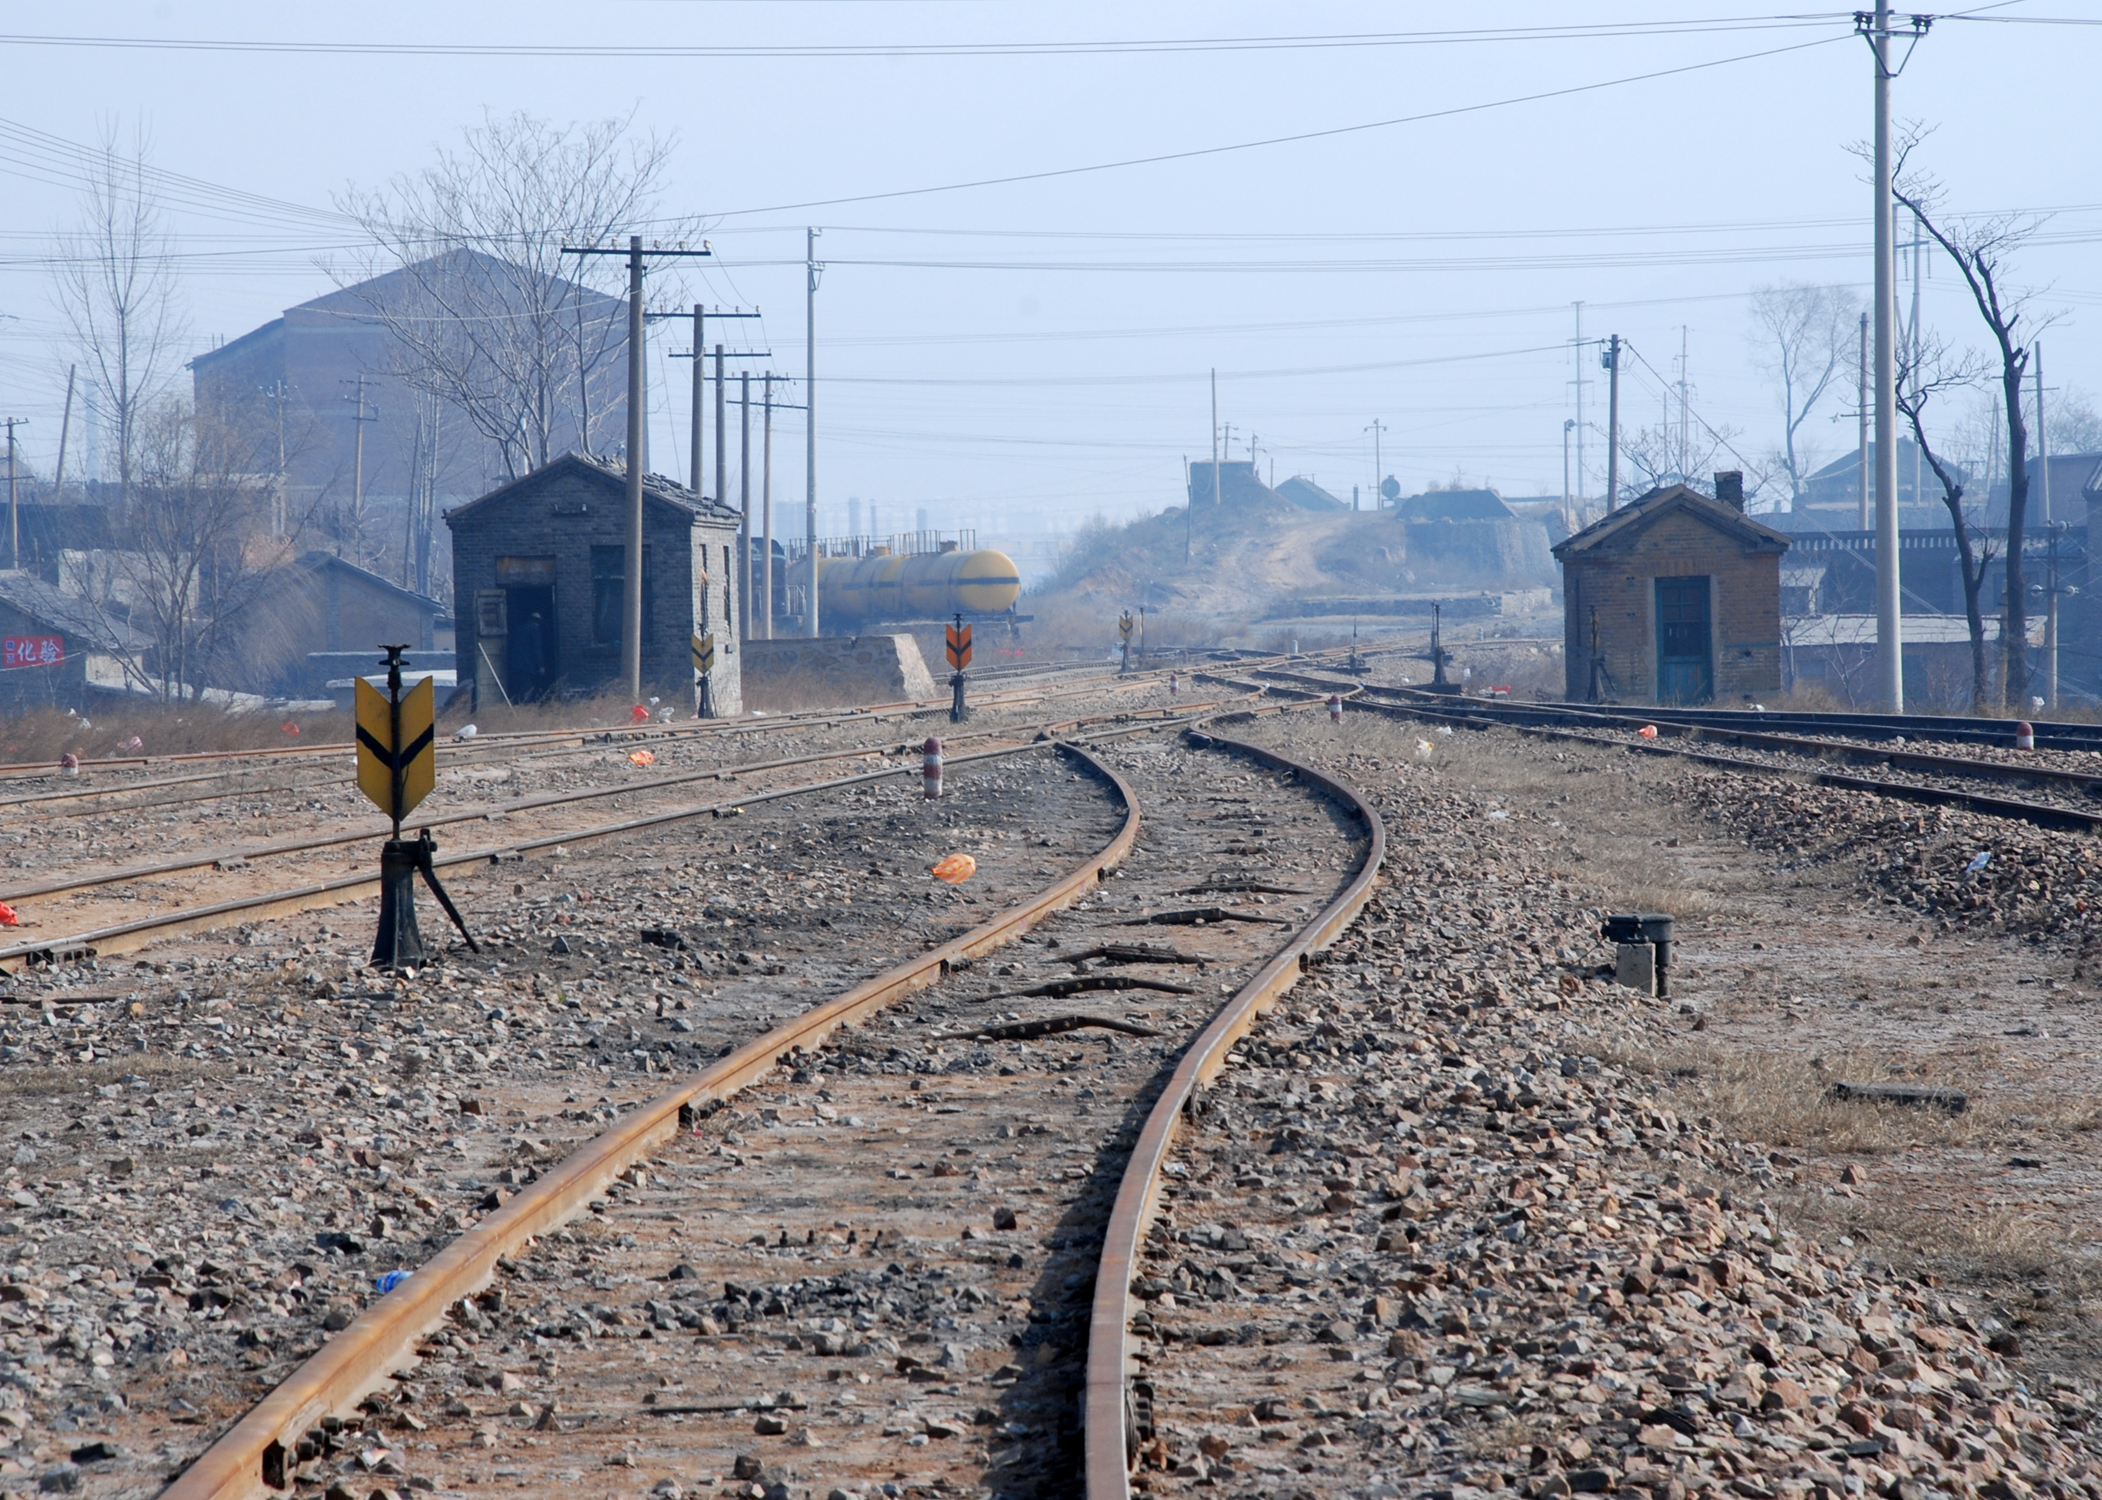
x=1940, y=780
x=997, y=1273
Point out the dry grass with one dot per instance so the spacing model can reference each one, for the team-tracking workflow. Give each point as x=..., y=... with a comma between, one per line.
x=43, y=735
x=1784, y=1099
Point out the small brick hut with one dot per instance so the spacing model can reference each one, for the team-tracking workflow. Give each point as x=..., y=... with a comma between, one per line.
x=538, y=576
x=1674, y=598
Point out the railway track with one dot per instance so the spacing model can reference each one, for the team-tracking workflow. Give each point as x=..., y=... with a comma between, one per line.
x=1941, y=778
x=950, y=1167
x=133, y=933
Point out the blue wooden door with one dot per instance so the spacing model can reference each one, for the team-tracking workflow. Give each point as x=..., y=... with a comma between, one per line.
x=1685, y=641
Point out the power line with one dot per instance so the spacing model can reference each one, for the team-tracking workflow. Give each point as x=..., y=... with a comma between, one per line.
x=662, y=51
x=1284, y=140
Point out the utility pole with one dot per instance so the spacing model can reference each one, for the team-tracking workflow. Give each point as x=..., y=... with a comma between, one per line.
x=1684, y=432
x=1376, y=429
x=65, y=428
x=1568, y=523
x=766, y=508
x=638, y=452
x=1861, y=414
x=277, y=393
x=357, y=472
x=699, y=355
x=1890, y=649
x=1218, y=492
x=744, y=492
x=1918, y=247
x=2043, y=435
x=812, y=271
x=722, y=434
x=1612, y=362
x=14, y=513
x=2051, y=593
x=1580, y=399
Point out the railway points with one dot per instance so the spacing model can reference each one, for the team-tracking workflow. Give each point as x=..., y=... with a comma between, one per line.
x=1280, y=1323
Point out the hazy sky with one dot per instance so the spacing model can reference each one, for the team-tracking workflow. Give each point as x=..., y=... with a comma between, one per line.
x=1032, y=353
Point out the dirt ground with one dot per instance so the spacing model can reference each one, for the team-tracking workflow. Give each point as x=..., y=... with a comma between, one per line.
x=1795, y=974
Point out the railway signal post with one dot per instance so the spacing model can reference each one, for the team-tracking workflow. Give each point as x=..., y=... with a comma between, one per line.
x=397, y=767
x=1124, y=627
x=959, y=658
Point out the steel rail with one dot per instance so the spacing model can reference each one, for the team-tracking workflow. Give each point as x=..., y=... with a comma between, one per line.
x=16, y=770
x=127, y=937
x=250, y=1458
x=1108, y=1440
x=2041, y=814
x=64, y=885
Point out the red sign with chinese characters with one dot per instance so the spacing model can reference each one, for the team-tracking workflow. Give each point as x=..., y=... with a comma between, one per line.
x=32, y=650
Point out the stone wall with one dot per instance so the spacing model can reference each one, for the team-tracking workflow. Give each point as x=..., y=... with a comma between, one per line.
x=834, y=671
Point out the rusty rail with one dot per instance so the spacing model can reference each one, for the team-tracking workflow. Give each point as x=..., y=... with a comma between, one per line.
x=251, y=1458
x=1108, y=1448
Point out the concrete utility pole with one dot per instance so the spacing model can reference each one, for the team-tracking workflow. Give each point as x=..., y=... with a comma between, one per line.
x=766, y=509
x=1861, y=414
x=700, y=386
x=1613, y=425
x=1568, y=426
x=1376, y=429
x=1890, y=649
x=812, y=272
x=1216, y=491
x=2043, y=434
x=357, y=470
x=65, y=428
x=722, y=435
x=14, y=514
x=638, y=452
x=1580, y=400
x=744, y=489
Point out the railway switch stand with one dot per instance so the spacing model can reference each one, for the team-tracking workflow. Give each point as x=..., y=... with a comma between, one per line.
x=1642, y=944
x=397, y=768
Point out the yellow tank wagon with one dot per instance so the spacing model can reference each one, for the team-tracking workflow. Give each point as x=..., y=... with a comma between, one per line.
x=920, y=586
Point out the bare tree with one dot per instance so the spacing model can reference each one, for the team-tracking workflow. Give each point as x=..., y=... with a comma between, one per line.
x=2074, y=424
x=1655, y=458
x=1921, y=376
x=487, y=314
x=198, y=529
x=1805, y=336
x=116, y=285
x=1982, y=250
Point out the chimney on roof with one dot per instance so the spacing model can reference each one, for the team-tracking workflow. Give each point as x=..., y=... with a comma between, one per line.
x=1729, y=488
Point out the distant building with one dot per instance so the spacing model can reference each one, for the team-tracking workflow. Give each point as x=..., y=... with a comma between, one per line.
x=1674, y=598
x=297, y=378
x=1307, y=495
x=539, y=570
x=1237, y=480
x=289, y=630
x=55, y=647
x=1454, y=505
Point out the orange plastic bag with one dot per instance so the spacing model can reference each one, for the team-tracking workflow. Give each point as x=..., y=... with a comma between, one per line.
x=640, y=715
x=8, y=918
x=1648, y=731
x=956, y=869
x=643, y=758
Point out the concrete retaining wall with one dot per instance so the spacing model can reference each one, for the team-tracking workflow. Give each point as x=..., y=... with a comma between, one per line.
x=834, y=672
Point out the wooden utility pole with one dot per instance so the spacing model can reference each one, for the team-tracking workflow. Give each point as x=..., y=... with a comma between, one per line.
x=65, y=428
x=766, y=508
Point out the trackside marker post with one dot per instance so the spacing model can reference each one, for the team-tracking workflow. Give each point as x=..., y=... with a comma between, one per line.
x=397, y=768
x=1335, y=708
x=931, y=768
x=703, y=666
x=2024, y=737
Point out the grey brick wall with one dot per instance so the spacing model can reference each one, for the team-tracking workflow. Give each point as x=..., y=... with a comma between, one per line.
x=559, y=514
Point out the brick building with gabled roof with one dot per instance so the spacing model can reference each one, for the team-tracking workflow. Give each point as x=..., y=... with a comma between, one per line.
x=1673, y=598
x=538, y=575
